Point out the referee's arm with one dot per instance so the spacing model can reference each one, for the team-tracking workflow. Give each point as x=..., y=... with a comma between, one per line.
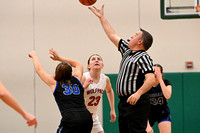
x=148, y=83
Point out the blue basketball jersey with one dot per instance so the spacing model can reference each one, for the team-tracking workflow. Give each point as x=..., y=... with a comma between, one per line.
x=70, y=97
x=157, y=99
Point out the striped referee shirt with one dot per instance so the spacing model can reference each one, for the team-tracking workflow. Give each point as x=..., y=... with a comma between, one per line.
x=133, y=67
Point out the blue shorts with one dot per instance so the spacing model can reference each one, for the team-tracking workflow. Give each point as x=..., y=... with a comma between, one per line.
x=159, y=116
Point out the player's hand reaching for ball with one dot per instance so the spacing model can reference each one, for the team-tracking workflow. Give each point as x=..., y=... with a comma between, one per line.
x=32, y=54
x=99, y=13
x=54, y=54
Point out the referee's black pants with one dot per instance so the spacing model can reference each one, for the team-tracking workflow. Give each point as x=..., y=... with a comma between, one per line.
x=133, y=118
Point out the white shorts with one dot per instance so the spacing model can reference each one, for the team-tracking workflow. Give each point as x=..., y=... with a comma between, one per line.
x=96, y=124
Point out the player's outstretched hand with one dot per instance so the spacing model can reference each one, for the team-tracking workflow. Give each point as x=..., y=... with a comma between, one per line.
x=32, y=54
x=99, y=13
x=54, y=54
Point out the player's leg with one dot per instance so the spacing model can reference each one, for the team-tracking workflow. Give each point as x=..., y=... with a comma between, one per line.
x=165, y=127
x=164, y=123
x=97, y=128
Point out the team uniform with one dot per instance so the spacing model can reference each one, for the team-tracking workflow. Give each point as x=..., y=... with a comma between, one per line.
x=159, y=106
x=93, y=95
x=133, y=67
x=70, y=100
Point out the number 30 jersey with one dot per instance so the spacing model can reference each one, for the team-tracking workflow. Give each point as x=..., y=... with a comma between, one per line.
x=93, y=94
x=157, y=99
x=69, y=97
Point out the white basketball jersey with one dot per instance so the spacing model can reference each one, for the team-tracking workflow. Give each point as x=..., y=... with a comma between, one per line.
x=93, y=94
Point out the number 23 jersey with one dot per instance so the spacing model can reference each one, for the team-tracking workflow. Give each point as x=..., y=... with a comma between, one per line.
x=93, y=94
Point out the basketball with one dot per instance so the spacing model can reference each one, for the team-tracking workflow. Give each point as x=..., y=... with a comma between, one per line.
x=198, y=8
x=87, y=2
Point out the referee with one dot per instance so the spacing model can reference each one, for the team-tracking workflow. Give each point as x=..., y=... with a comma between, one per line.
x=135, y=78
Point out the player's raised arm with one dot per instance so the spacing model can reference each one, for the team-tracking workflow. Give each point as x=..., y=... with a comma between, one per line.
x=110, y=32
x=47, y=78
x=78, y=67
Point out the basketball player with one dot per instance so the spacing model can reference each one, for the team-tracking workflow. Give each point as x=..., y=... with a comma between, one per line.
x=7, y=98
x=135, y=77
x=95, y=83
x=68, y=93
x=159, y=94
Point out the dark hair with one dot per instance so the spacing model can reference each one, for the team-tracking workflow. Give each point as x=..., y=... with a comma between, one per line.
x=147, y=39
x=161, y=68
x=63, y=72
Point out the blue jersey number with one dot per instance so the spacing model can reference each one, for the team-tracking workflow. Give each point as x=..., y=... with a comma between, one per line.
x=73, y=89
